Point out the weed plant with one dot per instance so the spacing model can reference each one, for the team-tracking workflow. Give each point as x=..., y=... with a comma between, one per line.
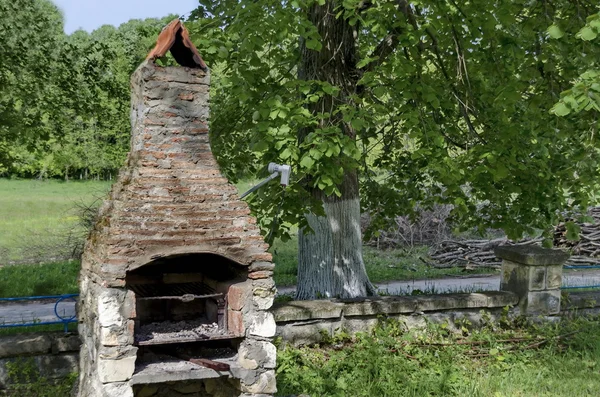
x=39, y=220
x=25, y=380
x=514, y=359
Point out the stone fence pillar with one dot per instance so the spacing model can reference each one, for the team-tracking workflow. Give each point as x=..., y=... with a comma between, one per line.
x=534, y=274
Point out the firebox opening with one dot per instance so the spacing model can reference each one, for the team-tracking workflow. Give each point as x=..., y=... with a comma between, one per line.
x=183, y=298
x=216, y=267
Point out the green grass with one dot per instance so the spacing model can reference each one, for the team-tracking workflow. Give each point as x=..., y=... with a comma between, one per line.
x=35, y=216
x=61, y=278
x=33, y=280
x=402, y=264
x=71, y=327
x=285, y=257
x=548, y=360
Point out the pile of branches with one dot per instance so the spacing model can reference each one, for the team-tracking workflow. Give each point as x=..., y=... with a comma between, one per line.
x=427, y=227
x=490, y=348
x=480, y=253
x=586, y=249
x=430, y=227
x=473, y=253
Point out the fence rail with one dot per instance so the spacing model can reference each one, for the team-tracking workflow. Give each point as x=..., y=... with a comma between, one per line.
x=62, y=316
x=594, y=285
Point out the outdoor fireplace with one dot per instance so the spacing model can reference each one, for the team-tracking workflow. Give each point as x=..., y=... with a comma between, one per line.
x=177, y=304
x=176, y=281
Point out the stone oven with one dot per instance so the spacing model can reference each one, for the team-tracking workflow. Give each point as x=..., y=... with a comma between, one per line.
x=176, y=280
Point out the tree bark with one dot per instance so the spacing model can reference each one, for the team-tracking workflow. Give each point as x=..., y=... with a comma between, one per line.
x=330, y=262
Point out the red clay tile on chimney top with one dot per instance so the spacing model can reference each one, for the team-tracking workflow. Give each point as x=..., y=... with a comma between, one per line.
x=176, y=38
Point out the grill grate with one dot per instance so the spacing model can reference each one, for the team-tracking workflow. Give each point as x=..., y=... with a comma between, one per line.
x=163, y=290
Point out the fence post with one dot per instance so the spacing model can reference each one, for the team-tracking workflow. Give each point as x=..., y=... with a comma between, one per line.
x=534, y=274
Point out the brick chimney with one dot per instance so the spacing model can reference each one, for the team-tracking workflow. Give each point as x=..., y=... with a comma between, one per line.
x=176, y=279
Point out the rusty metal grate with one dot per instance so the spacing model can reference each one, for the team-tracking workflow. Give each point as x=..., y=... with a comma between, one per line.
x=164, y=290
x=151, y=342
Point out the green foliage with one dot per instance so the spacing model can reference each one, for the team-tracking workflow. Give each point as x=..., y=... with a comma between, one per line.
x=30, y=35
x=449, y=360
x=573, y=230
x=452, y=105
x=585, y=93
x=25, y=380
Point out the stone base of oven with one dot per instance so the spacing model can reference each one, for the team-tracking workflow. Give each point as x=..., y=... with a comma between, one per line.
x=230, y=383
x=181, y=378
x=176, y=371
x=223, y=386
x=205, y=388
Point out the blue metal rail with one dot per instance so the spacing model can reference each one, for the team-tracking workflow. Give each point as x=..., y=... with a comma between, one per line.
x=581, y=286
x=65, y=321
x=581, y=267
x=584, y=267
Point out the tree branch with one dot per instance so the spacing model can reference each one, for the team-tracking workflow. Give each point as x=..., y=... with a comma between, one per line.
x=464, y=111
x=391, y=40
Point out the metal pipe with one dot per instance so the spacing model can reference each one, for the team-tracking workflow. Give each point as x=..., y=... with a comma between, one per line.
x=264, y=182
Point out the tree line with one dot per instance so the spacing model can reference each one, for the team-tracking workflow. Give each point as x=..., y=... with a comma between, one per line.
x=64, y=99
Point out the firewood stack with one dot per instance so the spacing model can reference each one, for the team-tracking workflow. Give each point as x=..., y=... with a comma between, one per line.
x=586, y=250
x=472, y=253
x=480, y=253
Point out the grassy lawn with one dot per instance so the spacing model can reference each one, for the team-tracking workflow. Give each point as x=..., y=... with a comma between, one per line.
x=71, y=327
x=36, y=217
x=515, y=360
x=34, y=280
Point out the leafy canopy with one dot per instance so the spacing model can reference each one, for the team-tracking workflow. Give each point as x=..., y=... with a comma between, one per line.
x=452, y=105
x=585, y=93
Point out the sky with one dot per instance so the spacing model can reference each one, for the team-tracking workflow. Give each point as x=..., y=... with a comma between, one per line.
x=91, y=14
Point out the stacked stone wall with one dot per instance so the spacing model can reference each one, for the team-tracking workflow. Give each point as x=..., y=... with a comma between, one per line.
x=52, y=355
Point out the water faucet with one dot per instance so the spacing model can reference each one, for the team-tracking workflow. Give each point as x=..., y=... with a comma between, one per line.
x=282, y=170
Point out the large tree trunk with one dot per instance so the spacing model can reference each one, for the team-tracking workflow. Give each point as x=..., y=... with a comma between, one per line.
x=330, y=262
